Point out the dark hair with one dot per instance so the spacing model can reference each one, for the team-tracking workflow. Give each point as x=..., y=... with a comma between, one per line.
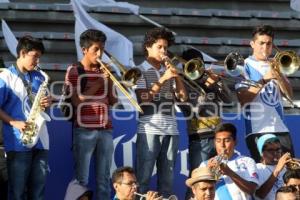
x=157, y=33
x=118, y=174
x=90, y=36
x=263, y=30
x=228, y=127
x=286, y=189
x=29, y=43
x=191, y=53
x=289, y=174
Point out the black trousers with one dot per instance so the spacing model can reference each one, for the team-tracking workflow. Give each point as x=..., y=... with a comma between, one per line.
x=285, y=141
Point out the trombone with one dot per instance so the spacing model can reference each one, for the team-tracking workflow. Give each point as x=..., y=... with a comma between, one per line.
x=129, y=76
x=118, y=84
x=194, y=69
x=287, y=62
x=185, y=78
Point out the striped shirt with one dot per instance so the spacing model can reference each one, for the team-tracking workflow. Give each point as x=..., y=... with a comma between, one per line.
x=159, y=116
x=94, y=112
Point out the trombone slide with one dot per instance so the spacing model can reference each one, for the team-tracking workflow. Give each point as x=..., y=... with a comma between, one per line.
x=118, y=84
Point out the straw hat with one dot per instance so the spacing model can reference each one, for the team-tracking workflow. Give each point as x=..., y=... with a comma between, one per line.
x=200, y=174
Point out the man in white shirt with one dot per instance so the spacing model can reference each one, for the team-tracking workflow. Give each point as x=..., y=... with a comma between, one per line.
x=272, y=167
x=238, y=179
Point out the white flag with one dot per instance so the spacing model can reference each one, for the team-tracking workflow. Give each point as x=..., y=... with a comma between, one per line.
x=117, y=45
x=295, y=5
x=111, y=3
x=10, y=39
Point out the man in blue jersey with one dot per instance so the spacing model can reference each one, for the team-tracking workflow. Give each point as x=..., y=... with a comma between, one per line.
x=27, y=167
x=236, y=173
x=263, y=109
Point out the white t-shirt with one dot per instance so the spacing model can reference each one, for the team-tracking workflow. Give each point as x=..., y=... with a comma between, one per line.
x=264, y=172
x=265, y=112
x=245, y=167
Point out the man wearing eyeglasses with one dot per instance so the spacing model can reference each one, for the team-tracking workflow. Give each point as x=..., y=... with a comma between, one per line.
x=125, y=185
x=272, y=167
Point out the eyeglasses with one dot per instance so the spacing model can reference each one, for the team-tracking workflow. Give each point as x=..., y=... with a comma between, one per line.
x=131, y=184
x=278, y=150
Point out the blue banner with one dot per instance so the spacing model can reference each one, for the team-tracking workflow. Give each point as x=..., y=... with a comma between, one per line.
x=61, y=158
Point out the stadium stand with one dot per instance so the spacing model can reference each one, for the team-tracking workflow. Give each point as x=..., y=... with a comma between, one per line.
x=215, y=27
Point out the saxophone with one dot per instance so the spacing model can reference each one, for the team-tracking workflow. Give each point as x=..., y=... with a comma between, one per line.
x=36, y=117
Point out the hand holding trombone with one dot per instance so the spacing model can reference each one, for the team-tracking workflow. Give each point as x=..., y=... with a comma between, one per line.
x=118, y=84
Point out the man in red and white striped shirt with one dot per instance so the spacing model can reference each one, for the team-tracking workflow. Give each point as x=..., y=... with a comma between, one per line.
x=92, y=133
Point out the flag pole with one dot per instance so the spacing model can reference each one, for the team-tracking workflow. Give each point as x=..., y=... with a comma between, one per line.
x=155, y=23
x=174, y=33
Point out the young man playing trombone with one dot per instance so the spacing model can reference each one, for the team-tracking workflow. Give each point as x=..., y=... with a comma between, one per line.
x=92, y=131
x=158, y=136
x=263, y=105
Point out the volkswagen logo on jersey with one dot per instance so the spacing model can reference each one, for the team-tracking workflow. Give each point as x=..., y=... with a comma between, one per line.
x=26, y=105
x=270, y=94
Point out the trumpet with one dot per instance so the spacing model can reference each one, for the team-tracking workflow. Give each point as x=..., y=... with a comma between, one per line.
x=220, y=159
x=143, y=196
x=118, y=84
x=293, y=164
x=129, y=76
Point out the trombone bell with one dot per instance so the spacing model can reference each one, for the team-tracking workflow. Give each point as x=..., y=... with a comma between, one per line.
x=194, y=69
x=233, y=64
x=131, y=76
x=288, y=62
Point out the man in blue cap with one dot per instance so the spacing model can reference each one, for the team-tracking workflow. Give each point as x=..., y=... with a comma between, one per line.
x=272, y=167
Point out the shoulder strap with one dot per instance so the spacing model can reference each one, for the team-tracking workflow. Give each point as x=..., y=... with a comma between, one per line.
x=26, y=84
x=80, y=70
